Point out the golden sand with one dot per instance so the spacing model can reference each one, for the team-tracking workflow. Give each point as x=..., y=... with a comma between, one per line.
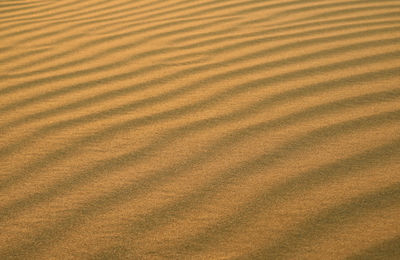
x=180, y=129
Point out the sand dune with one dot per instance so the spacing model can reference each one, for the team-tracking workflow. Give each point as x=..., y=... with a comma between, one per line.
x=212, y=129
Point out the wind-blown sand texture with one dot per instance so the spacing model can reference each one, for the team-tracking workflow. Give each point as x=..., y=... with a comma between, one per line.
x=213, y=129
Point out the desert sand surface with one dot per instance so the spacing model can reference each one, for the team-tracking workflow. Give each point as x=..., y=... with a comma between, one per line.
x=212, y=129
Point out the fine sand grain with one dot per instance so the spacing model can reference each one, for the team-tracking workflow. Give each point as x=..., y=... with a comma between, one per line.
x=213, y=129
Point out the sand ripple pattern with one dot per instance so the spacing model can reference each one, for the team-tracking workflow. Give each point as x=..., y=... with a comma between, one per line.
x=215, y=129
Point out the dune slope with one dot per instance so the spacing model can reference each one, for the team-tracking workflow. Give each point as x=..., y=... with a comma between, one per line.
x=215, y=129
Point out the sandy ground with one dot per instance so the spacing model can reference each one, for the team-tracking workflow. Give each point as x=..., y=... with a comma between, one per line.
x=212, y=129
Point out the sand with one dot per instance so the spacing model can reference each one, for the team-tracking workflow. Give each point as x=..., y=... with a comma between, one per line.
x=178, y=129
